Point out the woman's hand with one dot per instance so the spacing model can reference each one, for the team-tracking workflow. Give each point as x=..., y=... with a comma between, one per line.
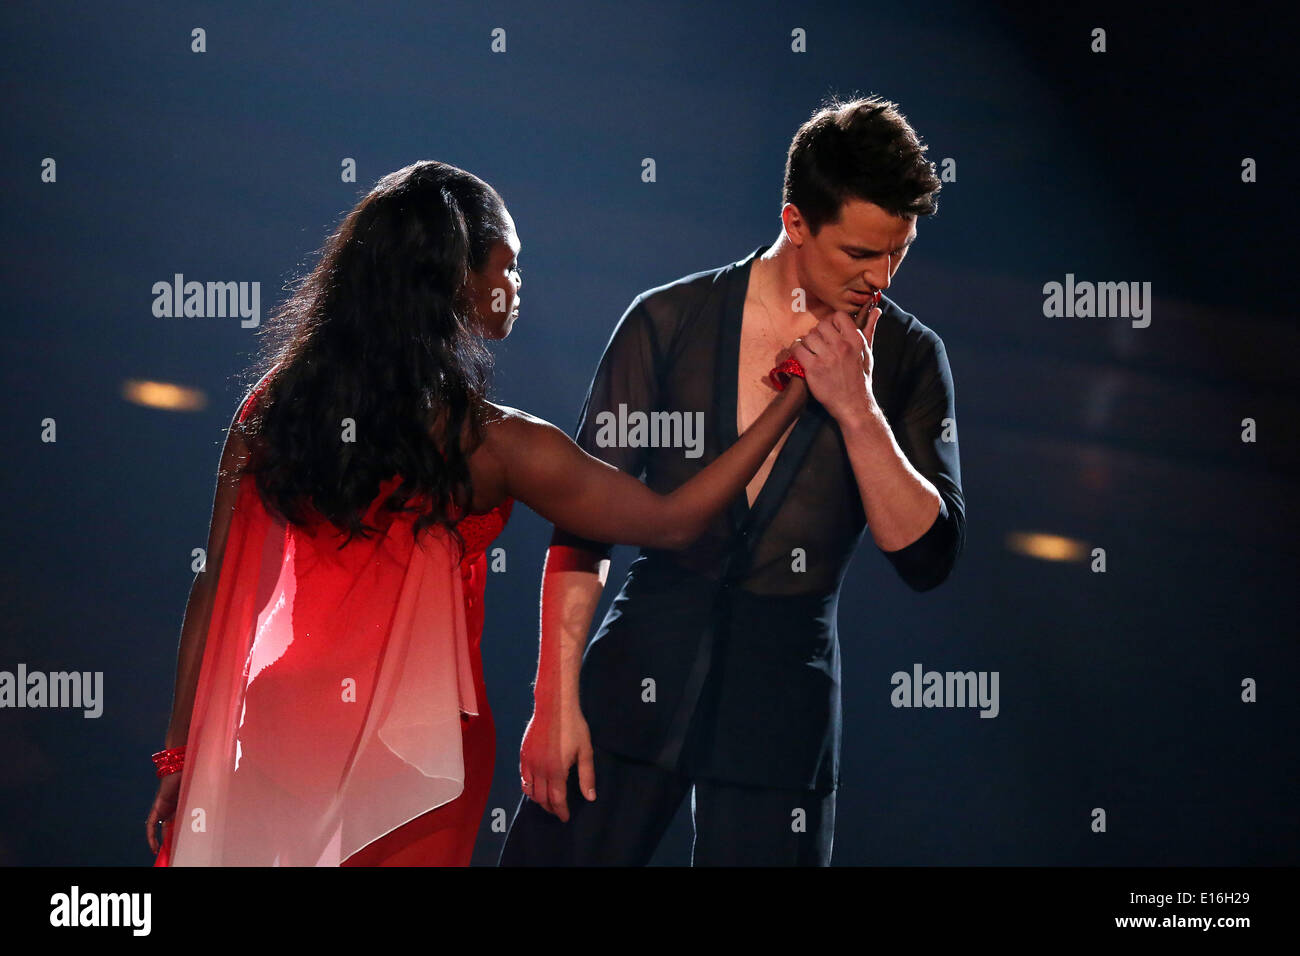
x=164, y=807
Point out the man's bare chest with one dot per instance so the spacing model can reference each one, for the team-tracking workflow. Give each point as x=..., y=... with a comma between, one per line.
x=762, y=343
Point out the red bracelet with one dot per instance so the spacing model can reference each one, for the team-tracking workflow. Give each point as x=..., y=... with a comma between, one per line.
x=169, y=761
x=780, y=376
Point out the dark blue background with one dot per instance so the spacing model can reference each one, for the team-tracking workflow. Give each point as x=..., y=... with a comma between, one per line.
x=1118, y=690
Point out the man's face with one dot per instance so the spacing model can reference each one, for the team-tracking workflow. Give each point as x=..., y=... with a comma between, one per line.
x=851, y=258
x=494, y=291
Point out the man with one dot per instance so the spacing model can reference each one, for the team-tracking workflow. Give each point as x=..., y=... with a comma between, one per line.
x=716, y=670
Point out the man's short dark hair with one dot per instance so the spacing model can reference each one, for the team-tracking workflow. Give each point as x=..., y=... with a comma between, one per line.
x=858, y=149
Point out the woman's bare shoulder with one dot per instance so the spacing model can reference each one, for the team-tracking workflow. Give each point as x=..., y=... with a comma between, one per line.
x=511, y=434
x=504, y=423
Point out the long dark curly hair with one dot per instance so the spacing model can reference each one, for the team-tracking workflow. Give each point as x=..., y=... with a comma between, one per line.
x=380, y=332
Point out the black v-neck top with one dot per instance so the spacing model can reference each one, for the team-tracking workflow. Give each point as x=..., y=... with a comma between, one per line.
x=737, y=634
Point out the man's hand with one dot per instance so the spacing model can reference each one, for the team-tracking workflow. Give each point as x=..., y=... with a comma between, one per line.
x=556, y=737
x=836, y=355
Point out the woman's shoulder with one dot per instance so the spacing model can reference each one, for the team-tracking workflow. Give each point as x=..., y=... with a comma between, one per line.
x=509, y=431
x=518, y=444
x=510, y=418
x=255, y=395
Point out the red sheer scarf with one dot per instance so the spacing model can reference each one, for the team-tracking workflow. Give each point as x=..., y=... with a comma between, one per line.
x=328, y=706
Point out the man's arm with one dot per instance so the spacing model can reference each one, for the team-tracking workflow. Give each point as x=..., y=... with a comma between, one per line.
x=573, y=581
x=909, y=518
x=909, y=481
x=574, y=577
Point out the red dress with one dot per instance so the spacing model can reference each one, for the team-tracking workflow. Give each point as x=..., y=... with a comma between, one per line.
x=340, y=716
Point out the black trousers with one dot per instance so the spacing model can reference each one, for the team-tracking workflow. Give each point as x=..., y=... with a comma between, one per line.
x=635, y=803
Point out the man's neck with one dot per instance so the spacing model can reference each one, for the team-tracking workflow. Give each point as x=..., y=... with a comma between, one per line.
x=779, y=278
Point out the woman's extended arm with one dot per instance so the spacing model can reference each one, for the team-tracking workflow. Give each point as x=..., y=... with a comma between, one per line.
x=542, y=467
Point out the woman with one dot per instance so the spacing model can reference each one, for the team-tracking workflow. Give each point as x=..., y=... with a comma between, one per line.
x=329, y=704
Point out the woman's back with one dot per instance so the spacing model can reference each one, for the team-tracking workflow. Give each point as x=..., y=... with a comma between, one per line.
x=334, y=680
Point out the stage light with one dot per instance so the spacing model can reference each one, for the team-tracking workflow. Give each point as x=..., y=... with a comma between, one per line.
x=175, y=398
x=1046, y=547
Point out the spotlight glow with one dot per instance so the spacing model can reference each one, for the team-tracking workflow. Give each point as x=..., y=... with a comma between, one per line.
x=165, y=395
x=1046, y=547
